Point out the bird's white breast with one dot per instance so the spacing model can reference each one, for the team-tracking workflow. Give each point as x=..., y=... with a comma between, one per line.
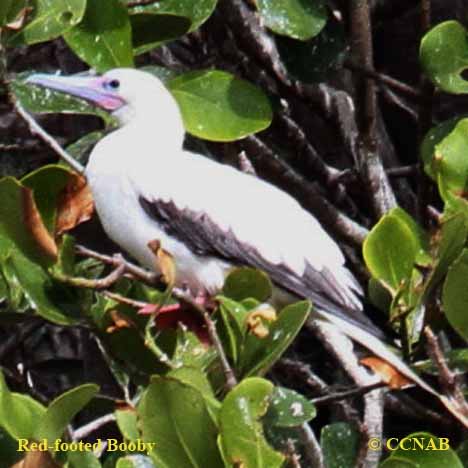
x=109, y=173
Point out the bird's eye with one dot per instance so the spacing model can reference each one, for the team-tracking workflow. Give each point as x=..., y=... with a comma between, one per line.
x=113, y=84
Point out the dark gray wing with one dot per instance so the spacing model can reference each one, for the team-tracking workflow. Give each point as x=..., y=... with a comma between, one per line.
x=205, y=238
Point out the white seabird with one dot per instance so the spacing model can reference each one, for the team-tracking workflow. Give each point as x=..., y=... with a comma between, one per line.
x=208, y=216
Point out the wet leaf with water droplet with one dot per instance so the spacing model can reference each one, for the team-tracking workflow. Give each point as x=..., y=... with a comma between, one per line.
x=294, y=18
x=103, y=38
x=49, y=19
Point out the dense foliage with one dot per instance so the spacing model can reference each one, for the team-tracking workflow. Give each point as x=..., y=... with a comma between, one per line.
x=286, y=87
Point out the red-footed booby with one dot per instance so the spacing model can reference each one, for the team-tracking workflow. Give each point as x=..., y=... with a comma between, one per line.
x=208, y=216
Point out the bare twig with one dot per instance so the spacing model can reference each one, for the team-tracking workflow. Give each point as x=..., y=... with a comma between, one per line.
x=124, y=300
x=148, y=277
x=342, y=348
x=36, y=129
x=311, y=445
x=370, y=163
x=292, y=455
x=393, y=83
x=93, y=426
x=354, y=392
x=448, y=379
x=231, y=380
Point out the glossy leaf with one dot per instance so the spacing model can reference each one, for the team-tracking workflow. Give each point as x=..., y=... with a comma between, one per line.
x=196, y=12
x=455, y=294
x=451, y=166
x=261, y=354
x=426, y=450
x=294, y=18
x=134, y=461
x=83, y=459
x=289, y=409
x=390, y=250
x=217, y=106
x=19, y=413
x=5, y=7
x=241, y=436
x=62, y=410
x=103, y=38
x=81, y=149
x=171, y=414
x=243, y=283
x=444, y=55
x=150, y=30
x=49, y=19
x=340, y=445
x=453, y=234
x=128, y=423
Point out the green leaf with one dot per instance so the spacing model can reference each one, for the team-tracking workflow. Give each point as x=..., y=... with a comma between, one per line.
x=190, y=352
x=428, y=146
x=5, y=7
x=453, y=234
x=390, y=250
x=312, y=61
x=241, y=436
x=398, y=462
x=294, y=18
x=196, y=12
x=81, y=149
x=444, y=56
x=128, y=423
x=47, y=184
x=455, y=294
x=171, y=414
x=84, y=459
x=340, y=445
x=217, y=106
x=19, y=414
x=134, y=461
x=103, y=38
x=150, y=30
x=49, y=19
x=425, y=450
x=244, y=283
x=289, y=409
x=62, y=410
x=451, y=166
x=262, y=353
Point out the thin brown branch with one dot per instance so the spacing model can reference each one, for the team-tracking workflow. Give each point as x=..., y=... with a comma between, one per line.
x=50, y=141
x=86, y=430
x=354, y=392
x=370, y=163
x=425, y=119
x=380, y=77
x=312, y=448
x=448, y=379
x=231, y=380
x=124, y=300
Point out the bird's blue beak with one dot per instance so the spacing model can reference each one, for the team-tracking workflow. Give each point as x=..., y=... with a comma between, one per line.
x=90, y=88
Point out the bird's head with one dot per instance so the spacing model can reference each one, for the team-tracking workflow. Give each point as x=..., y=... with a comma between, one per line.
x=129, y=94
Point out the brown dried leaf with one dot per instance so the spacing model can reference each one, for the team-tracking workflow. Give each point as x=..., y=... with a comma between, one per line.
x=164, y=262
x=386, y=372
x=20, y=19
x=120, y=322
x=37, y=459
x=35, y=225
x=75, y=205
x=255, y=320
